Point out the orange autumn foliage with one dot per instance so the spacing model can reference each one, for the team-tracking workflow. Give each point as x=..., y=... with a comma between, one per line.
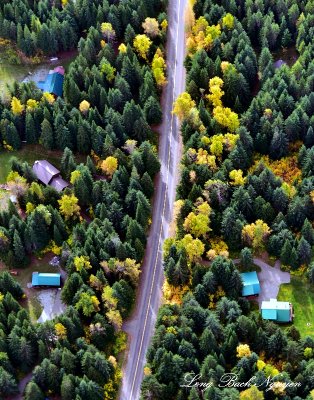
x=286, y=168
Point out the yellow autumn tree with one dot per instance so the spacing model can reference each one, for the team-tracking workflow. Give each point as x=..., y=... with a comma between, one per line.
x=237, y=177
x=142, y=45
x=16, y=106
x=109, y=165
x=48, y=97
x=108, y=298
x=256, y=234
x=84, y=106
x=183, y=105
x=74, y=176
x=69, y=207
x=114, y=317
x=228, y=21
x=107, y=69
x=16, y=184
x=197, y=223
x=215, y=90
x=194, y=247
x=108, y=31
x=164, y=25
x=129, y=268
x=202, y=35
x=216, y=147
x=227, y=118
x=82, y=263
x=159, y=68
x=243, y=350
x=252, y=393
x=122, y=48
x=151, y=27
x=31, y=104
x=61, y=330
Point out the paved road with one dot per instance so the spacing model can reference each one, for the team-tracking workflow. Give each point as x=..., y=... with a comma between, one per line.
x=140, y=326
x=270, y=279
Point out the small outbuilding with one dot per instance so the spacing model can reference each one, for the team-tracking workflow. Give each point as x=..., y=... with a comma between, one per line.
x=279, y=63
x=46, y=279
x=54, y=82
x=279, y=311
x=49, y=175
x=251, y=285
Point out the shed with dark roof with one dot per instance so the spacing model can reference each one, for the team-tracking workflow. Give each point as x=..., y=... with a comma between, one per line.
x=49, y=175
x=45, y=171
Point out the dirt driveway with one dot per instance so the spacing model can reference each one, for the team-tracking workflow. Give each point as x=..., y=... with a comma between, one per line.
x=270, y=279
x=50, y=300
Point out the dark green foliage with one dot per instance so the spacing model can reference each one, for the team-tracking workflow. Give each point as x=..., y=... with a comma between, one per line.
x=246, y=258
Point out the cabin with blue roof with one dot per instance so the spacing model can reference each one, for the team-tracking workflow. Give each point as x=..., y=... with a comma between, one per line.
x=46, y=279
x=251, y=285
x=54, y=82
x=279, y=311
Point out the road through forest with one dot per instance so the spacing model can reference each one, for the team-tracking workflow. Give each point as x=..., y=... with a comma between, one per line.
x=140, y=326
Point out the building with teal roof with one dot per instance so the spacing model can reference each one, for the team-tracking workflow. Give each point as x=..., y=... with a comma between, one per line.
x=251, y=285
x=53, y=83
x=279, y=311
x=46, y=279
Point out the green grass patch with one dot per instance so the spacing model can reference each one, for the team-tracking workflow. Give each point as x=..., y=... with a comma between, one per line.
x=25, y=274
x=300, y=293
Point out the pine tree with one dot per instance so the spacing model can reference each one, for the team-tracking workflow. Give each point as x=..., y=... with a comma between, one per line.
x=279, y=145
x=12, y=137
x=30, y=131
x=46, y=137
x=152, y=111
x=246, y=258
x=308, y=232
x=309, y=138
x=285, y=254
x=67, y=163
x=304, y=252
x=19, y=252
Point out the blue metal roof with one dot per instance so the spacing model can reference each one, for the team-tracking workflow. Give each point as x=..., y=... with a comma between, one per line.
x=46, y=279
x=251, y=285
x=53, y=84
x=276, y=310
x=269, y=314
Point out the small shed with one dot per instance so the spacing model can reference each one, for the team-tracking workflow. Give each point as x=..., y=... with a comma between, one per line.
x=53, y=83
x=46, y=279
x=279, y=311
x=49, y=175
x=279, y=63
x=251, y=285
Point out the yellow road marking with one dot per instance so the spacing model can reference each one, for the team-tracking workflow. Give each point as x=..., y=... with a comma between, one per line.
x=163, y=210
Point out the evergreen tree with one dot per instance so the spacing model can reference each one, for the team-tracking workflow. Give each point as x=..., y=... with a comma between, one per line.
x=19, y=252
x=46, y=137
x=279, y=145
